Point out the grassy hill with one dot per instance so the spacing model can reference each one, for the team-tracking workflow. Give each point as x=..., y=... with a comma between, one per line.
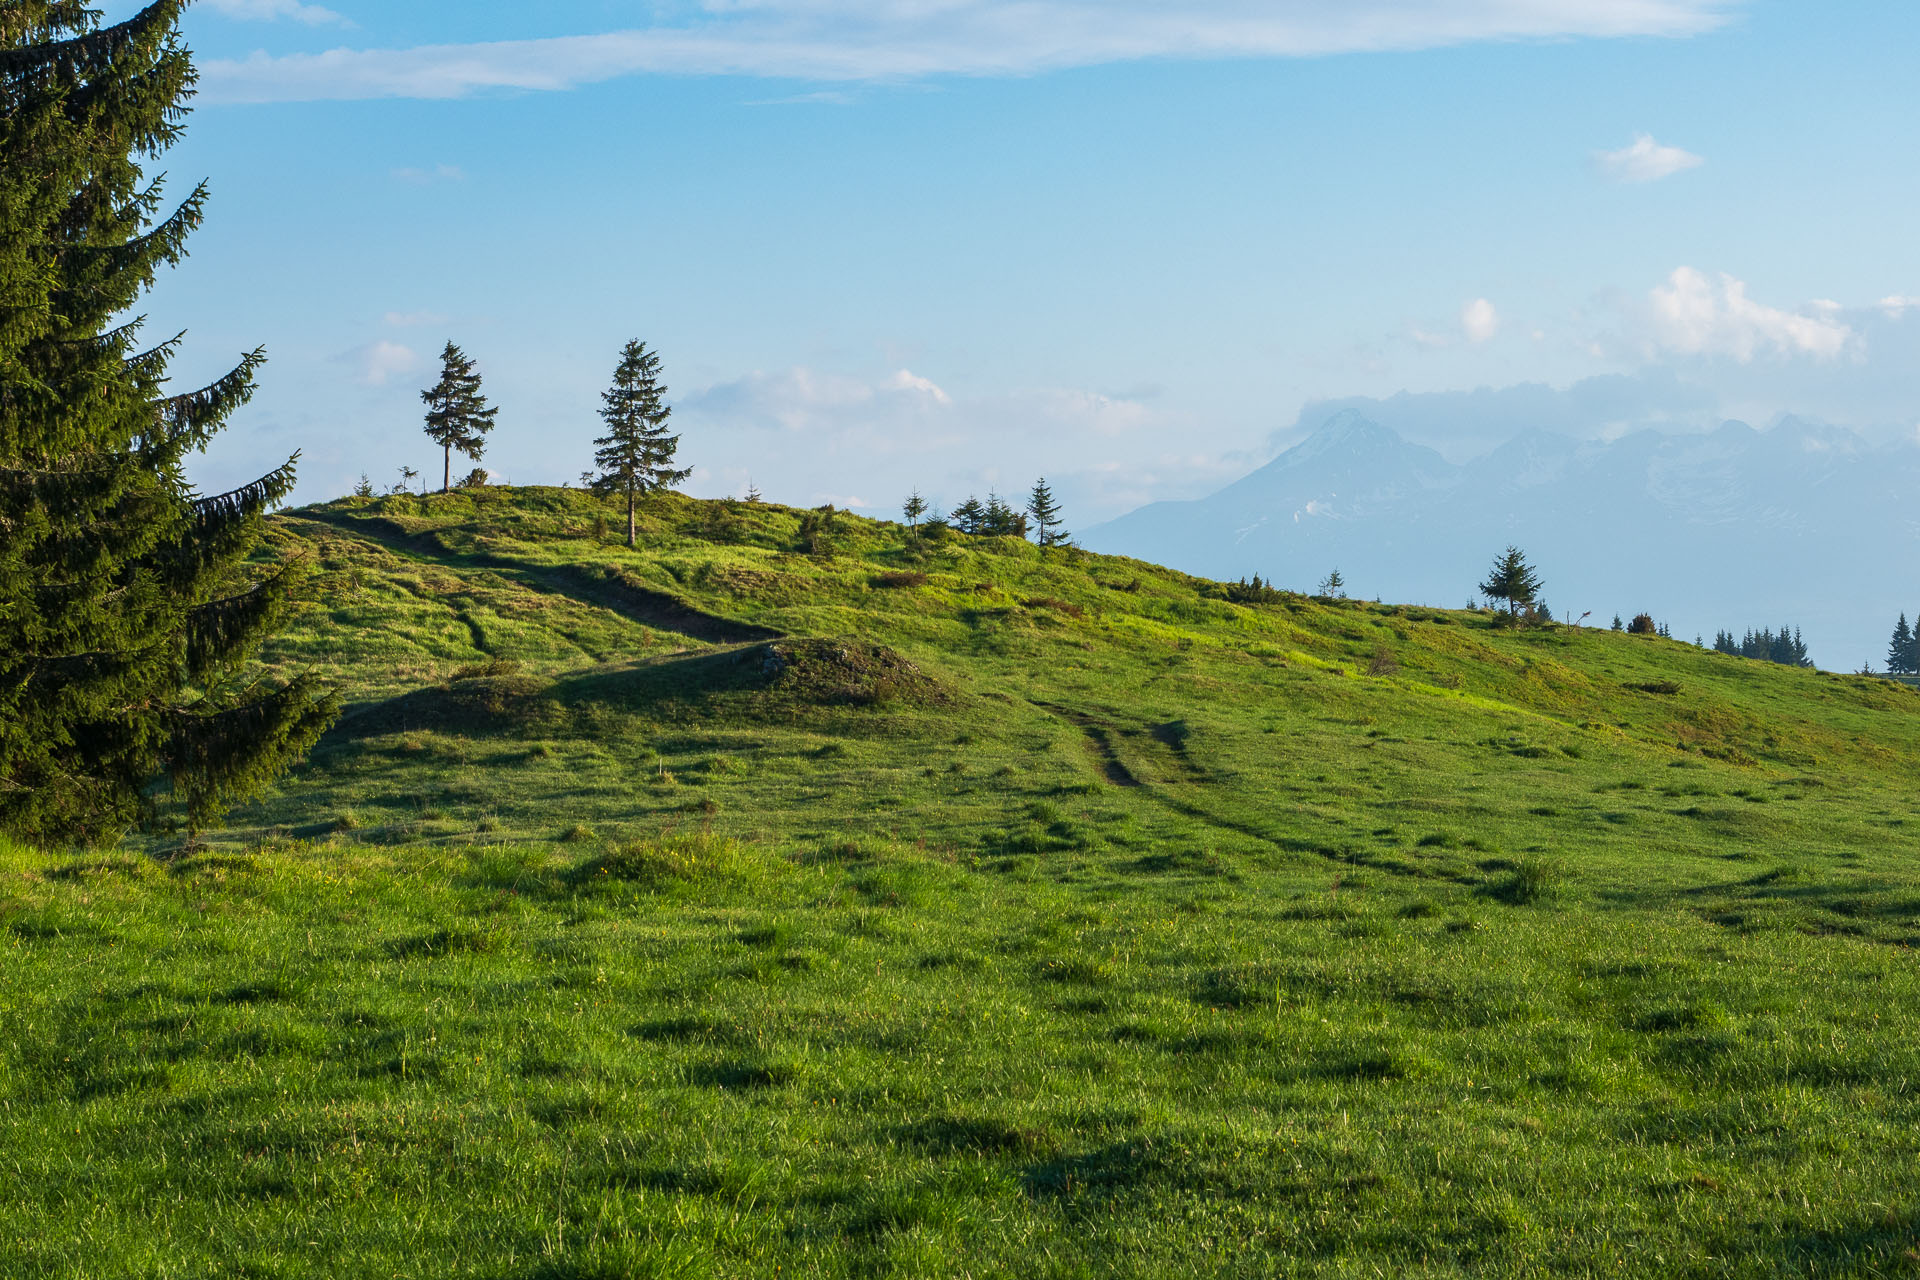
x=778, y=899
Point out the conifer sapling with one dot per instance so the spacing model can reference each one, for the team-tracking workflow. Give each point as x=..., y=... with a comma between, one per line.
x=1045, y=513
x=1513, y=580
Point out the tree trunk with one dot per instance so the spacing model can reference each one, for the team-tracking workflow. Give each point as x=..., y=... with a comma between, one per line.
x=446, y=472
x=630, y=503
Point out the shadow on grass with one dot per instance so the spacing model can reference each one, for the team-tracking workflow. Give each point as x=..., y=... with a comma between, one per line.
x=1117, y=1167
x=1875, y=909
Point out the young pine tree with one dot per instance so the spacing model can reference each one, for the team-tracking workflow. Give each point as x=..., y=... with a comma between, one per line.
x=1001, y=520
x=1044, y=513
x=913, y=508
x=969, y=517
x=126, y=604
x=458, y=416
x=1900, y=652
x=1513, y=580
x=636, y=455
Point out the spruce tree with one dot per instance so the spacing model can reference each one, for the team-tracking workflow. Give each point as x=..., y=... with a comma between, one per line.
x=636, y=455
x=969, y=516
x=1001, y=520
x=1513, y=580
x=913, y=508
x=458, y=416
x=1045, y=515
x=127, y=607
x=1900, y=652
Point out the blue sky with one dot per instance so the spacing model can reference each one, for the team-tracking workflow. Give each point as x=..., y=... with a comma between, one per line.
x=958, y=243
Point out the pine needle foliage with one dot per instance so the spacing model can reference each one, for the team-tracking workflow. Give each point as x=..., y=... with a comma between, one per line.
x=1513, y=580
x=1903, y=652
x=636, y=455
x=458, y=415
x=125, y=603
x=1044, y=513
x=1784, y=646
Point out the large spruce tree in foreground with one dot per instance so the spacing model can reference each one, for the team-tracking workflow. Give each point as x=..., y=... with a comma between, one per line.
x=458, y=416
x=126, y=607
x=636, y=455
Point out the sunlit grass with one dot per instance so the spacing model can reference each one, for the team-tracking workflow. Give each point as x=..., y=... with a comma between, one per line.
x=1059, y=918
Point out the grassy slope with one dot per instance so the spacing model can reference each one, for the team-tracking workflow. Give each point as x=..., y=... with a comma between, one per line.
x=1110, y=929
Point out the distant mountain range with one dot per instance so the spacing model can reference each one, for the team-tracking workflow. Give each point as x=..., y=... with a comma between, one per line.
x=1803, y=524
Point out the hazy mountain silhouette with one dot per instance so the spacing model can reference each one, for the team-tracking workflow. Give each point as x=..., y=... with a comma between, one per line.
x=1802, y=523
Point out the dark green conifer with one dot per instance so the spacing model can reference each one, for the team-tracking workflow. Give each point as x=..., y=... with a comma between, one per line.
x=1513, y=580
x=636, y=455
x=458, y=416
x=1000, y=520
x=126, y=607
x=913, y=508
x=969, y=517
x=1044, y=513
x=1900, y=652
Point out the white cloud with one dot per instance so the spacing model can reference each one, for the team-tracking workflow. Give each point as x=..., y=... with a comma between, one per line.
x=796, y=400
x=808, y=436
x=892, y=40
x=1898, y=305
x=377, y=363
x=312, y=15
x=1646, y=161
x=907, y=380
x=1480, y=320
x=1693, y=315
x=1090, y=410
x=426, y=177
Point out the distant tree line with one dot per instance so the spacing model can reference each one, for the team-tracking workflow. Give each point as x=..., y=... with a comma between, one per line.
x=637, y=457
x=995, y=518
x=1783, y=646
x=1903, y=653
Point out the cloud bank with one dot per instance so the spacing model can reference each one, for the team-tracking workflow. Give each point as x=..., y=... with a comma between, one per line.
x=810, y=436
x=899, y=40
x=1694, y=315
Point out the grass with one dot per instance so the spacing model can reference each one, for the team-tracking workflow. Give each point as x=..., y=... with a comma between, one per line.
x=719, y=909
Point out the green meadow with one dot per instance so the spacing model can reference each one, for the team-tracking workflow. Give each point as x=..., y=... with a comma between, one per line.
x=791, y=895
